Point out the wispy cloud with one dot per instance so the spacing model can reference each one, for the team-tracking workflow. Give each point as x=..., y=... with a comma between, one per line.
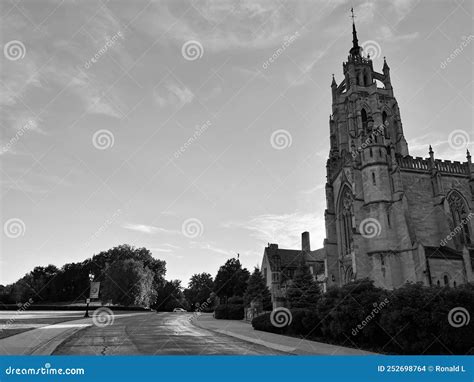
x=212, y=248
x=148, y=229
x=284, y=229
x=172, y=94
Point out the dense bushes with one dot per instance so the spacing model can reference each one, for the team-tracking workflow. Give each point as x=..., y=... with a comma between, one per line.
x=410, y=320
x=229, y=312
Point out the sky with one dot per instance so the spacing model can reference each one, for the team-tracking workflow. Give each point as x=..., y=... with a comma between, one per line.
x=199, y=129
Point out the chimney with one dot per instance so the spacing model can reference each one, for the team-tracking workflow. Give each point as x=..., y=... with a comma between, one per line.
x=305, y=245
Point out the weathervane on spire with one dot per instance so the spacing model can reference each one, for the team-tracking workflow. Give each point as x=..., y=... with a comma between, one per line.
x=356, y=49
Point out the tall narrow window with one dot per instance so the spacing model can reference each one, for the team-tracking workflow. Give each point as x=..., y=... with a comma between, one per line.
x=459, y=219
x=373, y=179
x=446, y=280
x=363, y=116
x=345, y=226
x=385, y=124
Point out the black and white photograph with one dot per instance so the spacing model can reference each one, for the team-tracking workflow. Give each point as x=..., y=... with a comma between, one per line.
x=238, y=178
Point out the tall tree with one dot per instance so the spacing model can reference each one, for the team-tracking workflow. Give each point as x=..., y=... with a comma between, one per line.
x=199, y=288
x=304, y=291
x=231, y=279
x=170, y=296
x=128, y=282
x=257, y=290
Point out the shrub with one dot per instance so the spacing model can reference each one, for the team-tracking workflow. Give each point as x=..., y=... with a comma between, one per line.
x=263, y=323
x=418, y=320
x=410, y=320
x=229, y=312
x=236, y=300
x=297, y=326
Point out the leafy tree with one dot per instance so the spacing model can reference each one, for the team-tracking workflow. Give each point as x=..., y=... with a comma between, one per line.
x=257, y=290
x=124, y=252
x=199, y=288
x=303, y=291
x=170, y=296
x=231, y=279
x=128, y=282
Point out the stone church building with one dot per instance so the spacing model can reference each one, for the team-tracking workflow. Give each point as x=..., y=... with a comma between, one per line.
x=389, y=216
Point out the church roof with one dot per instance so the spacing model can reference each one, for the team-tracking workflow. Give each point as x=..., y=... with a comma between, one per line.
x=442, y=253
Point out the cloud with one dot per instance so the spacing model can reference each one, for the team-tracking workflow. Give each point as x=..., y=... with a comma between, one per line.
x=284, y=229
x=228, y=25
x=148, y=229
x=172, y=94
x=212, y=248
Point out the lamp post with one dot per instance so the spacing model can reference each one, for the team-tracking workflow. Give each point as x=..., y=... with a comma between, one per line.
x=91, y=278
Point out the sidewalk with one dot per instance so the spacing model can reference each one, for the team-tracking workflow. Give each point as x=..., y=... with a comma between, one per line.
x=45, y=339
x=292, y=345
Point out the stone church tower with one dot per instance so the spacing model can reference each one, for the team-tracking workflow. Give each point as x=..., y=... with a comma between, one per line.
x=390, y=217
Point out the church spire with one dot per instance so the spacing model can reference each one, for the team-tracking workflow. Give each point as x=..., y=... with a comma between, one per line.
x=355, y=50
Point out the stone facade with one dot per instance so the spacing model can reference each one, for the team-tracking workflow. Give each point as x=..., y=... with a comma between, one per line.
x=279, y=266
x=390, y=217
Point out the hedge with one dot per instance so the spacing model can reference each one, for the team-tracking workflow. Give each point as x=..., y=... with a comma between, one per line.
x=410, y=320
x=229, y=312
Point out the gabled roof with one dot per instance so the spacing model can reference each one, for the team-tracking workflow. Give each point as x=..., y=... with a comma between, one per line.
x=442, y=253
x=290, y=258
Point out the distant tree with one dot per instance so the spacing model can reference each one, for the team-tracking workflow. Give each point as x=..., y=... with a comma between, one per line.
x=304, y=291
x=199, y=288
x=128, y=282
x=257, y=290
x=170, y=296
x=97, y=264
x=231, y=279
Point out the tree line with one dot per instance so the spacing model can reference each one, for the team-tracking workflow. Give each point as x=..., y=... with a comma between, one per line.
x=131, y=276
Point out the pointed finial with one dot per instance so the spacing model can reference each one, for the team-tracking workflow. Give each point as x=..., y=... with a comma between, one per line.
x=355, y=50
x=333, y=83
x=431, y=152
x=385, y=66
x=468, y=155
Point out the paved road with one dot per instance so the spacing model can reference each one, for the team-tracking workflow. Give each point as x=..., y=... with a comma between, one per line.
x=156, y=333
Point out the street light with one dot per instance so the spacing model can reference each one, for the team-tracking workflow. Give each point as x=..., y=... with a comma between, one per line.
x=91, y=278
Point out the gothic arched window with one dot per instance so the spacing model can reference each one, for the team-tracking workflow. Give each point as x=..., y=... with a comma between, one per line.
x=459, y=218
x=385, y=124
x=363, y=115
x=446, y=280
x=345, y=212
